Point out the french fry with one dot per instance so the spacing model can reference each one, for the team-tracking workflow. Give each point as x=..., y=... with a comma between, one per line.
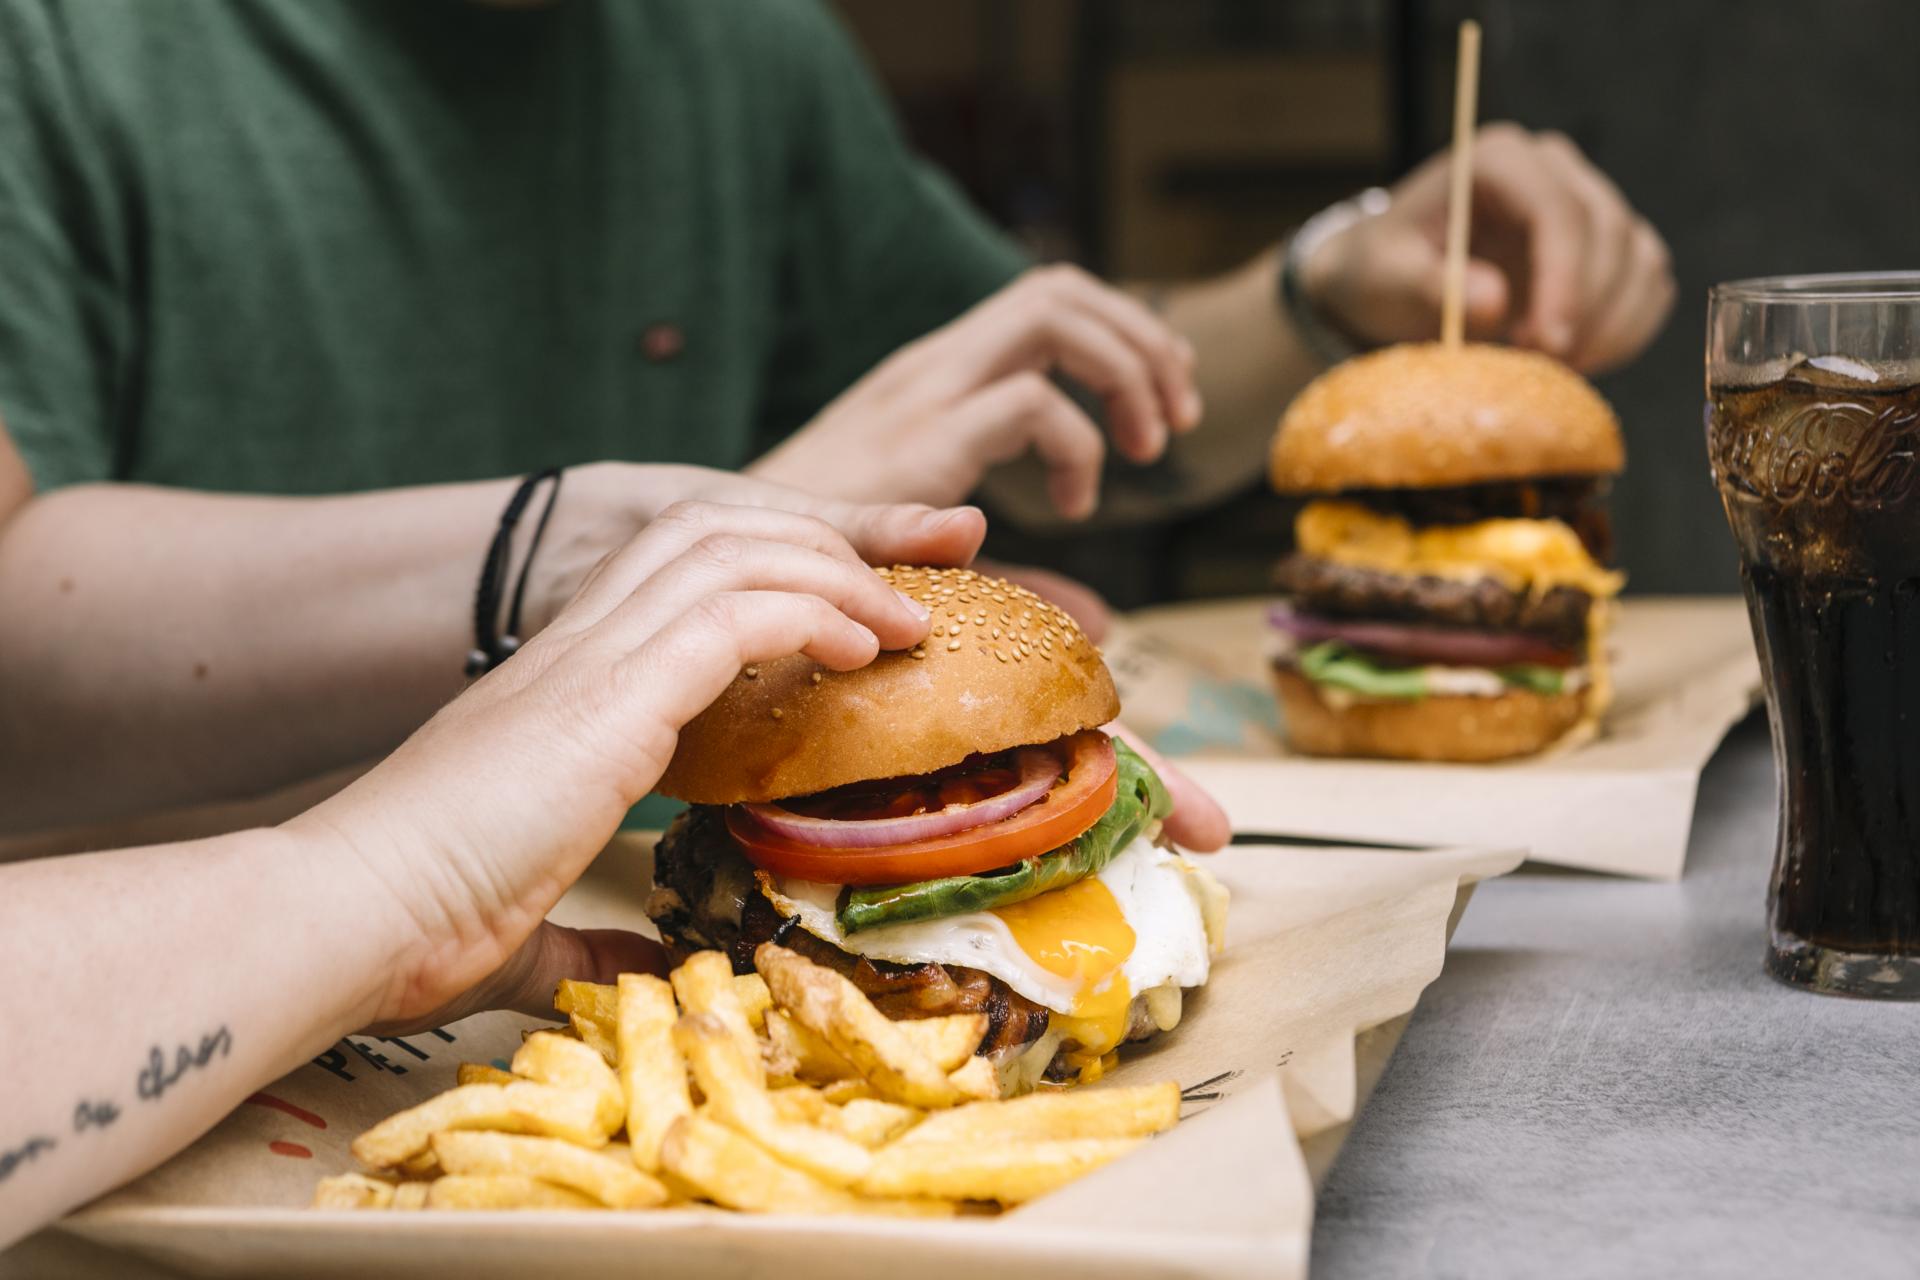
x=730, y=1170
x=410, y=1195
x=611, y=1180
x=950, y=1040
x=864, y=1115
x=826, y=1003
x=976, y=1079
x=592, y=1013
x=869, y=1121
x=352, y=1191
x=524, y=1107
x=807, y=1056
x=483, y=1073
x=419, y=1167
x=596, y=1035
x=1009, y=1172
x=704, y=984
x=502, y=1191
x=555, y=1059
x=800, y=1103
x=841, y=1092
x=734, y=1099
x=599, y=1001
x=755, y=999
x=651, y=1070
x=1131, y=1112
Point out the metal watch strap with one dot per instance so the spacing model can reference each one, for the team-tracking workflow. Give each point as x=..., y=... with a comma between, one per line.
x=1326, y=342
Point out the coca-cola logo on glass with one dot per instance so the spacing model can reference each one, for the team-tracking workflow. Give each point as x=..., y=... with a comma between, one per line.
x=1820, y=451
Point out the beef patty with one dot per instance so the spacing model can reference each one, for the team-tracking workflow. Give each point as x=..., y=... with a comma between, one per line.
x=705, y=898
x=1330, y=590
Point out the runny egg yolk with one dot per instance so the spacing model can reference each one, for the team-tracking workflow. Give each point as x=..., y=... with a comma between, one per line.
x=1080, y=934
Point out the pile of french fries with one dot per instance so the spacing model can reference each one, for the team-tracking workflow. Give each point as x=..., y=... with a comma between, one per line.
x=781, y=1091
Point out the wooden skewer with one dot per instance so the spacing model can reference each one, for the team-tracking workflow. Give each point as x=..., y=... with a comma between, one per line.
x=1466, y=93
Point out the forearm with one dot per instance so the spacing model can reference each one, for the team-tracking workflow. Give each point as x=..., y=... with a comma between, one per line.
x=162, y=647
x=134, y=1026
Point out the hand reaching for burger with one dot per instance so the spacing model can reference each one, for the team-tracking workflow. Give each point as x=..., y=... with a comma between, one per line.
x=1559, y=260
x=582, y=722
x=928, y=422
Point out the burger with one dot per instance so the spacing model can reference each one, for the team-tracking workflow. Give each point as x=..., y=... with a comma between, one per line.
x=949, y=829
x=1448, y=595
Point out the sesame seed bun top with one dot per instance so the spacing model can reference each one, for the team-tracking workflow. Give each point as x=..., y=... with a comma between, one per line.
x=1421, y=416
x=1002, y=668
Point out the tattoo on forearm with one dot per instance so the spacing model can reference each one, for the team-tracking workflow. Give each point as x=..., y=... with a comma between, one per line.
x=12, y=1159
x=161, y=1074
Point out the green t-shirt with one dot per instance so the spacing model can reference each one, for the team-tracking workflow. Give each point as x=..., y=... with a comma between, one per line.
x=304, y=246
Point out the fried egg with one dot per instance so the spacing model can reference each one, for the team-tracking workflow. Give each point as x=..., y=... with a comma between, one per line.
x=1083, y=951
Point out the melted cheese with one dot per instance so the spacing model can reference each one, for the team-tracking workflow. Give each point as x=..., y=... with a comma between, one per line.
x=1599, y=667
x=1523, y=555
x=1079, y=934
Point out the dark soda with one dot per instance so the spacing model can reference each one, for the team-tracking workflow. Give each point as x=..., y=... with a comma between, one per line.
x=1819, y=473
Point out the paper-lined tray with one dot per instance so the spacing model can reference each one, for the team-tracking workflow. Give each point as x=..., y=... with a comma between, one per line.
x=1194, y=679
x=1328, y=949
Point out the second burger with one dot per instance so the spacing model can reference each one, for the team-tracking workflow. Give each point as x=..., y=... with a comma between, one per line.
x=1448, y=597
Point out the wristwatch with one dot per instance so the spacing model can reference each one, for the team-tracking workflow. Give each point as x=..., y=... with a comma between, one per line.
x=1323, y=339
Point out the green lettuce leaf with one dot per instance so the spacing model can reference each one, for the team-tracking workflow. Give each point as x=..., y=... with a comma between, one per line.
x=1333, y=664
x=1140, y=799
x=1530, y=675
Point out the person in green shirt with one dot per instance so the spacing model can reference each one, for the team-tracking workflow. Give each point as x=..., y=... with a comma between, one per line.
x=287, y=287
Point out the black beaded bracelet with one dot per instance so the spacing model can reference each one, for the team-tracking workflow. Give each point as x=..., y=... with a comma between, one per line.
x=491, y=645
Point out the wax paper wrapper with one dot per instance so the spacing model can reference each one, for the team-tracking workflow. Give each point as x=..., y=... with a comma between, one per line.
x=1328, y=949
x=1195, y=682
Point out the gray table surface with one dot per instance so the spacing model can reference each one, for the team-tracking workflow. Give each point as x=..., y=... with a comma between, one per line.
x=1603, y=1082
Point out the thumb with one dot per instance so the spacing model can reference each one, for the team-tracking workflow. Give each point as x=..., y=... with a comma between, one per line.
x=1197, y=822
x=1484, y=296
x=554, y=952
x=907, y=533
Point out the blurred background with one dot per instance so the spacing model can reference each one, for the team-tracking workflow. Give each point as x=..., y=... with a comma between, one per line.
x=1150, y=138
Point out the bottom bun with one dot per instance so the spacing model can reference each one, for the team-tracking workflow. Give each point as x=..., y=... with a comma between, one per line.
x=1464, y=730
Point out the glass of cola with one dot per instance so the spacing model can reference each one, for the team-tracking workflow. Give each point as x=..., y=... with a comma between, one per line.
x=1813, y=431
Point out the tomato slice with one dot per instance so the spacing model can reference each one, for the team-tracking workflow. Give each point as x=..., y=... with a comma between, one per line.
x=1076, y=802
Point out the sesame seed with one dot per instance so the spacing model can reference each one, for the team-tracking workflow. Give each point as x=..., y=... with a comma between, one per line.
x=751, y=673
x=816, y=677
x=919, y=653
x=1000, y=655
x=996, y=633
x=952, y=645
x=777, y=713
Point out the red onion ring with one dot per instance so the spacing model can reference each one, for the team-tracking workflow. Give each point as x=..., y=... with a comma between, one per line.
x=1452, y=646
x=1040, y=768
